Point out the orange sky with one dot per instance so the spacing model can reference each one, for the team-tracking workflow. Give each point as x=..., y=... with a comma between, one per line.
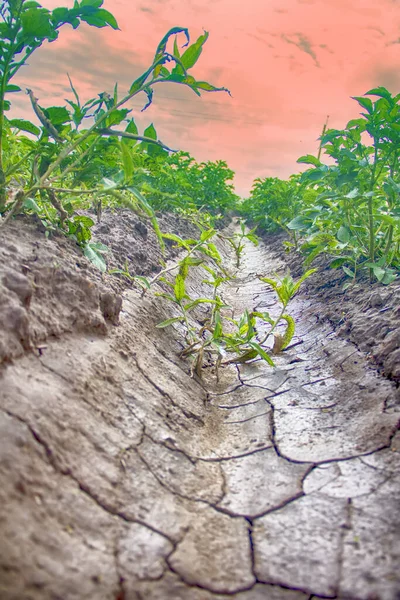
x=288, y=64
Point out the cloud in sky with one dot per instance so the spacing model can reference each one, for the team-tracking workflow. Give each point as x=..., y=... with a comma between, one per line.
x=287, y=68
x=303, y=43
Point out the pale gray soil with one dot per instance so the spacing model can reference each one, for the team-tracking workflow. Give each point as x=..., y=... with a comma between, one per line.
x=123, y=478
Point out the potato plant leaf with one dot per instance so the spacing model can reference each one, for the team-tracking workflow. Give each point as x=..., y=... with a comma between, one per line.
x=168, y=322
x=93, y=254
x=262, y=353
x=179, y=287
x=24, y=125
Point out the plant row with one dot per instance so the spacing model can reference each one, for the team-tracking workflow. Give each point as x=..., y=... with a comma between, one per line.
x=347, y=207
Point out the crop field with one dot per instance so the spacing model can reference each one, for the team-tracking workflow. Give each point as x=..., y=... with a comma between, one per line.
x=199, y=392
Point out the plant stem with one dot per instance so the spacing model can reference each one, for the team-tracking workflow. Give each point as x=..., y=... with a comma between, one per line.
x=371, y=223
x=322, y=134
x=274, y=326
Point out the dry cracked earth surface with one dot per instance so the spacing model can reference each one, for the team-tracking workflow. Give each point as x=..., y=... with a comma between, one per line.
x=123, y=478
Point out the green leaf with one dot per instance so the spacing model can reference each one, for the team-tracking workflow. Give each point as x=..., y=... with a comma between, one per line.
x=353, y=194
x=309, y=159
x=150, y=132
x=95, y=3
x=305, y=276
x=127, y=161
x=252, y=238
x=316, y=251
x=359, y=123
x=30, y=204
x=169, y=322
x=25, y=126
x=142, y=281
x=12, y=88
x=60, y=14
x=109, y=184
x=262, y=353
x=198, y=301
x=184, y=268
x=58, y=115
x=193, y=262
x=338, y=262
x=139, y=82
x=348, y=272
x=192, y=54
x=177, y=239
x=101, y=18
x=388, y=219
x=176, y=49
x=290, y=329
x=117, y=116
x=179, y=287
x=207, y=234
x=132, y=128
x=299, y=222
x=83, y=220
x=271, y=282
x=36, y=23
x=380, y=91
x=344, y=234
x=31, y=4
x=389, y=276
x=95, y=257
x=217, y=326
x=378, y=271
x=365, y=103
x=173, y=31
x=99, y=247
x=314, y=174
x=214, y=252
x=166, y=296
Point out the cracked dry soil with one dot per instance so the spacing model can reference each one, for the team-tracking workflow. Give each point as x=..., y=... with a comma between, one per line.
x=124, y=479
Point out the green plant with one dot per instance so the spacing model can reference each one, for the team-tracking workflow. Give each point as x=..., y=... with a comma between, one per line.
x=237, y=241
x=357, y=206
x=49, y=172
x=273, y=202
x=220, y=339
x=286, y=288
x=348, y=209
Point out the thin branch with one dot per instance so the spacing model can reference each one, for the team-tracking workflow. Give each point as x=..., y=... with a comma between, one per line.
x=132, y=136
x=77, y=191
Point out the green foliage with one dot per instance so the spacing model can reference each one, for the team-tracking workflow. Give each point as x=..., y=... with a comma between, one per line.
x=219, y=339
x=178, y=183
x=237, y=241
x=60, y=165
x=349, y=210
x=273, y=202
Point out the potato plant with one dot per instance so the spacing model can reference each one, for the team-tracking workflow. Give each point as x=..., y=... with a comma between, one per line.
x=349, y=210
x=220, y=339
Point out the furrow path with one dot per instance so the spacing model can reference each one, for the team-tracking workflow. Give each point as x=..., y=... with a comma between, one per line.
x=123, y=478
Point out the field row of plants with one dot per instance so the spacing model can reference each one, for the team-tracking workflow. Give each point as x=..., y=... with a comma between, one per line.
x=88, y=154
x=78, y=158
x=348, y=207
